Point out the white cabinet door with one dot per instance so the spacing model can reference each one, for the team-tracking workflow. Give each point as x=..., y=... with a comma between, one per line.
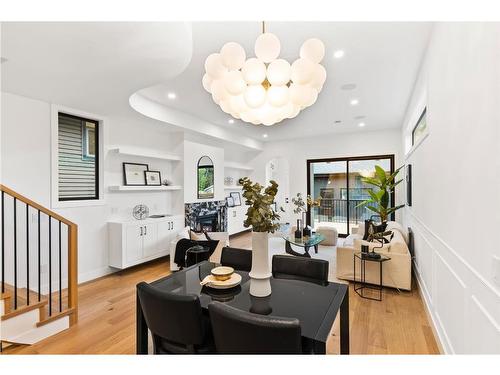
x=164, y=235
x=150, y=240
x=133, y=249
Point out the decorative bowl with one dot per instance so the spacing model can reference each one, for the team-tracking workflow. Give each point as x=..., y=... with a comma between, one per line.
x=222, y=273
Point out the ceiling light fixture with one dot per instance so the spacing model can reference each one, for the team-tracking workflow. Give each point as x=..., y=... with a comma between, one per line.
x=171, y=95
x=264, y=135
x=231, y=121
x=354, y=101
x=338, y=54
x=361, y=124
x=265, y=89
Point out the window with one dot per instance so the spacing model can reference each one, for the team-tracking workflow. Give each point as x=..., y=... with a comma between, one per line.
x=78, y=177
x=420, y=128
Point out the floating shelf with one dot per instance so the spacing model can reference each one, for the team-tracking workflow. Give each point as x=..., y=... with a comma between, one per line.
x=232, y=165
x=145, y=188
x=134, y=151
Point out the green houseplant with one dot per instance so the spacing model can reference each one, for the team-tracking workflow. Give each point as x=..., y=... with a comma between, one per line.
x=263, y=220
x=379, y=201
x=302, y=206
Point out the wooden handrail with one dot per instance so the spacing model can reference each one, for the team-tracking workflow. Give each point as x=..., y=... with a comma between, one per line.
x=72, y=249
x=33, y=204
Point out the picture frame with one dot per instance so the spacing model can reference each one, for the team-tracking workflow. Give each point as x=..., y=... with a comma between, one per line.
x=230, y=201
x=133, y=174
x=408, y=185
x=236, y=198
x=153, y=178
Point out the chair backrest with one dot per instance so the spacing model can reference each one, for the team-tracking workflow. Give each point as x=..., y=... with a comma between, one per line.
x=174, y=317
x=299, y=268
x=240, y=332
x=239, y=259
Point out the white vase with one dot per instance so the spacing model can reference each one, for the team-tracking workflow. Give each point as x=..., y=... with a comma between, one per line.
x=260, y=284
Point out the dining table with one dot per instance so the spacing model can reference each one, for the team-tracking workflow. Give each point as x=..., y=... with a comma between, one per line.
x=315, y=305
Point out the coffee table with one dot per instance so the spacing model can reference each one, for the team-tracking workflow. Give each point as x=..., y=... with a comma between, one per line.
x=304, y=242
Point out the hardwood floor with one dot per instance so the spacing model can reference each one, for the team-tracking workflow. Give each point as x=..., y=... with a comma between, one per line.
x=396, y=325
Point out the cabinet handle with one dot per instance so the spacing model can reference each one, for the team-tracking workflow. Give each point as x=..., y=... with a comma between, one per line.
x=141, y=231
x=171, y=225
x=145, y=231
x=234, y=213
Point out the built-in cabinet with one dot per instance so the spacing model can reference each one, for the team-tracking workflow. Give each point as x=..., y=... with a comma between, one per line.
x=138, y=241
x=235, y=218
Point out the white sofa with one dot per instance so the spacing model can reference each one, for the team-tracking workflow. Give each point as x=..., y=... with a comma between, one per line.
x=222, y=237
x=396, y=272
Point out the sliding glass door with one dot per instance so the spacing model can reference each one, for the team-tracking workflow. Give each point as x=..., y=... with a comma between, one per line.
x=338, y=181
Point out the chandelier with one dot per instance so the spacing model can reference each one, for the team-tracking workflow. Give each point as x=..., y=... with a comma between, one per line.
x=265, y=89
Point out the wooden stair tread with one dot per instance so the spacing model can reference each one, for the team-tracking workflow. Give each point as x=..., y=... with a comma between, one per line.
x=55, y=317
x=24, y=309
x=5, y=295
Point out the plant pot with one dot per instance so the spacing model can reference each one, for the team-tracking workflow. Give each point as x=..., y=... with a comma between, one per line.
x=260, y=284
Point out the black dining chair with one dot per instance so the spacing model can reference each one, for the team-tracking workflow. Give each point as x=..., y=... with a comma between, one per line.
x=299, y=268
x=176, y=322
x=241, y=332
x=239, y=259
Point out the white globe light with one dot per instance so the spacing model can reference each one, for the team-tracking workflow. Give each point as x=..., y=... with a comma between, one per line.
x=300, y=95
x=313, y=96
x=318, y=77
x=233, y=55
x=238, y=104
x=302, y=70
x=278, y=72
x=255, y=96
x=278, y=95
x=254, y=71
x=267, y=47
x=219, y=93
x=313, y=50
x=225, y=105
x=214, y=67
x=295, y=111
x=234, y=82
x=207, y=82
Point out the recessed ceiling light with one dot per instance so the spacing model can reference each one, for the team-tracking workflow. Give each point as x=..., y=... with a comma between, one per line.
x=361, y=124
x=354, y=101
x=264, y=135
x=231, y=121
x=338, y=54
x=348, y=86
x=171, y=95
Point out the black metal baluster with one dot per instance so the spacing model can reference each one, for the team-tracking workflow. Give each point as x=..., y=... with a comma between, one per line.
x=39, y=262
x=3, y=243
x=60, y=273
x=27, y=256
x=50, y=266
x=15, y=253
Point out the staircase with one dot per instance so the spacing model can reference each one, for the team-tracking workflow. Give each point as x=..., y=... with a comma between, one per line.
x=39, y=295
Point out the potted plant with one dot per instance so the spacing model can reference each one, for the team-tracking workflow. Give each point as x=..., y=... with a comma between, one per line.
x=380, y=197
x=263, y=220
x=301, y=208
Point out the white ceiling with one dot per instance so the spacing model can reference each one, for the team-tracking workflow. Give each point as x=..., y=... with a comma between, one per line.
x=381, y=59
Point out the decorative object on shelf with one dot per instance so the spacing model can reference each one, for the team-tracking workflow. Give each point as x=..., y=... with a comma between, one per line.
x=228, y=181
x=265, y=90
x=230, y=201
x=302, y=207
x=205, y=178
x=153, y=178
x=165, y=182
x=263, y=220
x=408, y=185
x=236, y=198
x=380, y=197
x=133, y=174
x=298, y=231
x=140, y=212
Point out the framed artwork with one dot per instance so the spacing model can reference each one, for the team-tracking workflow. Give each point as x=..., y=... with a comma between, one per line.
x=420, y=128
x=133, y=174
x=230, y=201
x=236, y=198
x=408, y=184
x=153, y=178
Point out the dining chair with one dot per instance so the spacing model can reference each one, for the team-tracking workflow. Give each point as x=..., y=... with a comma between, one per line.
x=300, y=268
x=176, y=321
x=241, y=332
x=239, y=259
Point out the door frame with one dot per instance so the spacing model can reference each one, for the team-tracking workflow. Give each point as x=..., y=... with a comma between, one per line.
x=347, y=159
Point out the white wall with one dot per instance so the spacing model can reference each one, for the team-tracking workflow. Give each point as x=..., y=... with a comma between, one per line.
x=297, y=152
x=456, y=181
x=25, y=162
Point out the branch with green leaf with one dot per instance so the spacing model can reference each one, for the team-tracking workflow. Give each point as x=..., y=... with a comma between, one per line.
x=260, y=215
x=380, y=197
x=301, y=206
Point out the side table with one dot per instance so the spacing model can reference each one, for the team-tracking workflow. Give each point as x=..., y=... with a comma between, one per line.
x=360, y=286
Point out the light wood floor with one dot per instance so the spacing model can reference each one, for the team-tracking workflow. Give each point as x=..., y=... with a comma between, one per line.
x=396, y=325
